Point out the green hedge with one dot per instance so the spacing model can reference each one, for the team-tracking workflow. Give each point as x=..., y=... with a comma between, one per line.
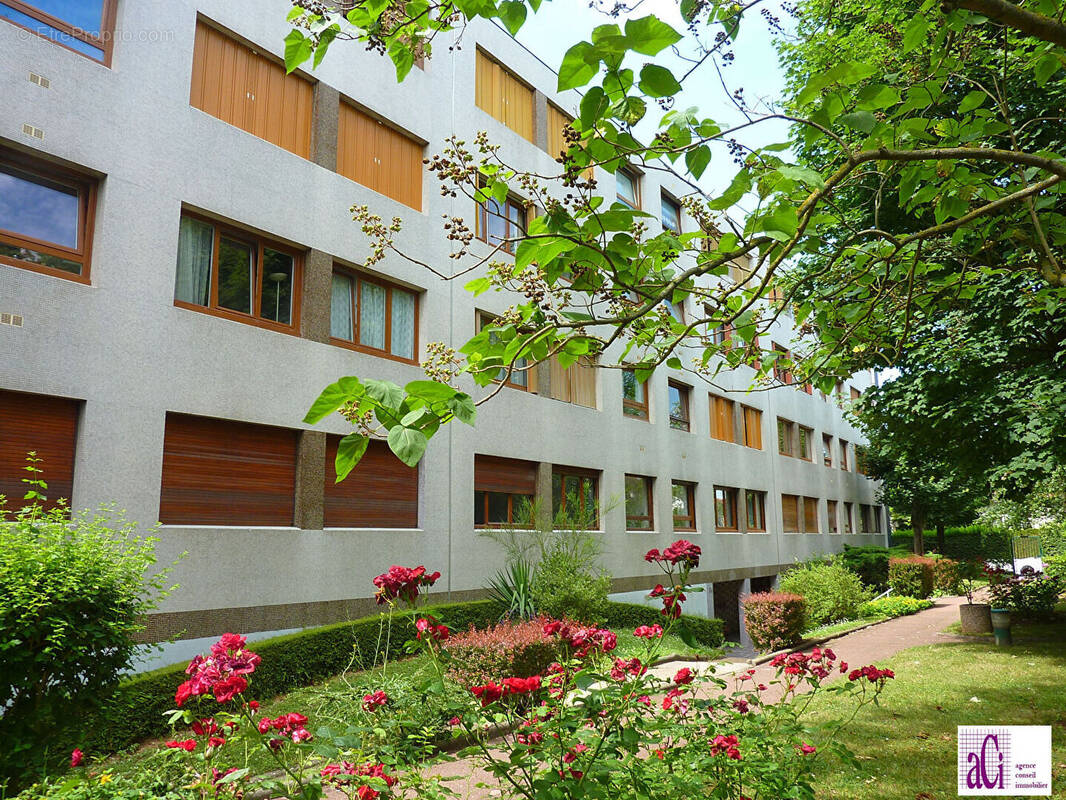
x=963, y=544
x=299, y=659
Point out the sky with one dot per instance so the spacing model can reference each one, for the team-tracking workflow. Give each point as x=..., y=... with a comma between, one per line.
x=560, y=24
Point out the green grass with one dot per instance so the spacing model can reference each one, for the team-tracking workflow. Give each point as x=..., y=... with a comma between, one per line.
x=836, y=628
x=907, y=746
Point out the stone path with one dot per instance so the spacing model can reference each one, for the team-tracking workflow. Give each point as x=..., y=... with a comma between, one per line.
x=868, y=646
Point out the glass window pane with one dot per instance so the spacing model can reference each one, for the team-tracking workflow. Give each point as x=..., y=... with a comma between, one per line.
x=495, y=223
x=479, y=508
x=85, y=15
x=38, y=208
x=637, y=502
x=276, y=301
x=498, y=508
x=632, y=389
x=557, y=494
x=589, y=487
x=340, y=308
x=236, y=270
x=35, y=257
x=371, y=315
x=625, y=188
x=43, y=29
x=196, y=241
x=572, y=485
x=680, y=498
x=671, y=215
x=403, y=324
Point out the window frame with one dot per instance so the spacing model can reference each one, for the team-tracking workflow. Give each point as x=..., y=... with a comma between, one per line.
x=781, y=374
x=261, y=243
x=690, y=499
x=642, y=408
x=809, y=502
x=667, y=200
x=684, y=393
x=731, y=410
x=759, y=507
x=509, y=244
x=104, y=42
x=805, y=434
x=582, y=475
x=756, y=428
x=86, y=189
x=481, y=319
x=357, y=277
x=844, y=456
x=832, y=516
x=511, y=496
x=827, y=450
x=730, y=502
x=786, y=429
x=635, y=179
x=849, y=519
x=649, y=497
x=860, y=460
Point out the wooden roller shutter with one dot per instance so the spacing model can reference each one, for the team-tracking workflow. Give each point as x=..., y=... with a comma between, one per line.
x=47, y=426
x=507, y=475
x=499, y=93
x=810, y=514
x=250, y=91
x=221, y=472
x=790, y=513
x=381, y=492
x=753, y=427
x=557, y=122
x=722, y=419
x=379, y=157
x=575, y=384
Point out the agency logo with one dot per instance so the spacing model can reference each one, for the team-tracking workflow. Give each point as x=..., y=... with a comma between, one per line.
x=1011, y=760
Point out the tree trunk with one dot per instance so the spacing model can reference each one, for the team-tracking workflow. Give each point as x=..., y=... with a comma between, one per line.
x=941, y=545
x=918, y=523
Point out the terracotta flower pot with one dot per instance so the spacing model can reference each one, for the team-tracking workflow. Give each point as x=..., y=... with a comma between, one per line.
x=976, y=618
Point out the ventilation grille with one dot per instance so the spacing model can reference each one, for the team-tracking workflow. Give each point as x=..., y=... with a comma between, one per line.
x=40, y=80
x=11, y=319
x=30, y=130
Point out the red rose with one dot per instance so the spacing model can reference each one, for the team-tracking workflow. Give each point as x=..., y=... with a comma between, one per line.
x=372, y=702
x=228, y=688
x=76, y=757
x=684, y=676
x=188, y=745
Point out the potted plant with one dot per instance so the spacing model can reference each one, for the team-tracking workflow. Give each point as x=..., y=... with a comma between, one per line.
x=975, y=617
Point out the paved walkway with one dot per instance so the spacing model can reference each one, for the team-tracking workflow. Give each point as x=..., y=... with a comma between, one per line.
x=868, y=646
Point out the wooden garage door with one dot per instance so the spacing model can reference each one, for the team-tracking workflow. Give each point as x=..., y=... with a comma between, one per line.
x=233, y=82
x=221, y=472
x=381, y=492
x=46, y=425
x=379, y=157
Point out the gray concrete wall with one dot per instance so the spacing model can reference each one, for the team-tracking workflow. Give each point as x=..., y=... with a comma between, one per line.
x=121, y=345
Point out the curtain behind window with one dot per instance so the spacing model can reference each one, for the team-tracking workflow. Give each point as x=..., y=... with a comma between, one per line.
x=195, y=243
x=340, y=308
x=403, y=324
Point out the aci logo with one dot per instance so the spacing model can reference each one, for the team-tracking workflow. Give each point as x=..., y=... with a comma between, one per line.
x=1011, y=760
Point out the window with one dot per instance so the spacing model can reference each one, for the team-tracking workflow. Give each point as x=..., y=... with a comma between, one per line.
x=379, y=157
x=756, y=506
x=752, y=427
x=381, y=492
x=790, y=518
x=848, y=519
x=634, y=395
x=785, y=431
x=671, y=215
x=810, y=514
x=740, y=273
x=638, y=503
x=373, y=316
x=574, y=494
x=831, y=510
x=501, y=225
x=725, y=508
x=576, y=384
x=627, y=188
x=806, y=444
x=860, y=459
x=827, y=449
x=876, y=512
x=855, y=393
x=221, y=472
x=781, y=371
x=558, y=123
x=504, y=489
x=683, y=500
x=844, y=455
x=87, y=26
x=501, y=95
x=46, y=217
x=48, y=426
x=236, y=274
x=722, y=419
x=678, y=396
x=521, y=376
x=250, y=91
x=722, y=335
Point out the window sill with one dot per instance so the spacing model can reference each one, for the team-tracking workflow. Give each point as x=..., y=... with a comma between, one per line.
x=374, y=530
x=42, y=269
x=202, y=526
x=232, y=316
x=370, y=351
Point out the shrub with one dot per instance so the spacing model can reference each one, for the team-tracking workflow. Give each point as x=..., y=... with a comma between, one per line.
x=947, y=577
x=1031, y=595
x=562, y=589
x=73, y=592
x=512, y=588
x=869, y=563
x=894, y=606
x=911, y=576
x=965, y=543
x=519, y=649
x=1055, y=566
x=774, y=619
x=708, y=632
x=832, y=591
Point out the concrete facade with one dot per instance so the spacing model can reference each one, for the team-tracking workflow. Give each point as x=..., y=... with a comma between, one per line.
x=122, y=346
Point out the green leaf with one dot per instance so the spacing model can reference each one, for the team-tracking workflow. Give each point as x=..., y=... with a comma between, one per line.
x=593, y=104
x=408, y=444
x=332, y=398
x=512, y=13
x=971, y=101
x=697, y=159
x=783, y=221
x=803, y=175
x=462, y=405
x=914, y=34
x=388, y=394
x=325, y=39
x=580, y=65
x=656, y=81
x=861, y=121
x=1046, y=66
x=297, y=50
x=350, y=450
x=430, y=391
x=649, y=35
x=479, y=286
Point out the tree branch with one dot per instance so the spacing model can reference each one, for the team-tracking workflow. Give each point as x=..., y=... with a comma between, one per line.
x=1014, y=16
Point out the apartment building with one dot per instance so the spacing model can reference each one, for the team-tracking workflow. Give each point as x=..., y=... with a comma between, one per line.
x=180, y=277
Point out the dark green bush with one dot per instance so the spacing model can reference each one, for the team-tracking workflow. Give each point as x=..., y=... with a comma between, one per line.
x=832, y=591
x=708, y=632
x=947, y=577
x=964, y=544
x=562, y=588
x=911, y=576
x=869, y=563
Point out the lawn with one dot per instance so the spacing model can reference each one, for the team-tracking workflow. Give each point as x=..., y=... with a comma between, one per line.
x=907, y=747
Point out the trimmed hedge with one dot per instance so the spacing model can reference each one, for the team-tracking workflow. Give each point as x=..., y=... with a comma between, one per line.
x=912, y=576
x=774, y=619
x=135, y=712
x=964, y=544
x=870, y=563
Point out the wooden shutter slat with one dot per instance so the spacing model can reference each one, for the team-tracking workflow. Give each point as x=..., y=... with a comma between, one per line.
x=810, y=514
x=508, y=475
x=499, y=93
x=790, y=512
x=379, y=157
x=47, y=426
x=381, y=492
x=221, y=472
